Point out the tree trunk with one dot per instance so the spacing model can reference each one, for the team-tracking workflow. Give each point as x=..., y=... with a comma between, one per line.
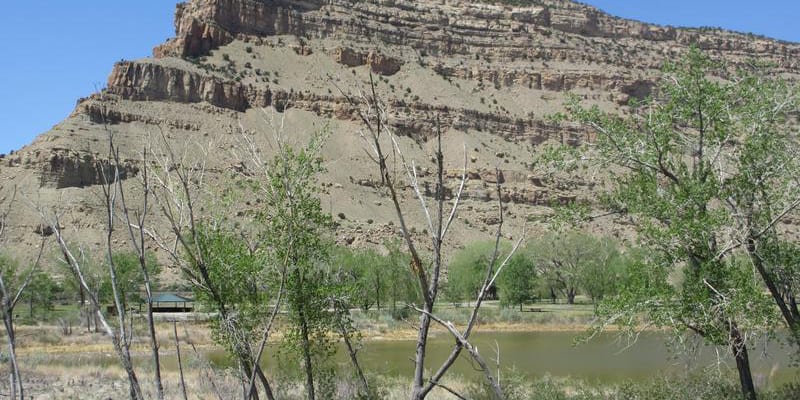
x=151, y=325
x=739, y=348
x=419, y=359
x=571, y=296
x=85, y=308
x=247, y=371
x=264, y=383
x=180, y=361
x=125, y=358
x=378, y=292
x=789, y=311
x=307, y=355
x=354, y=360
x=14, y=375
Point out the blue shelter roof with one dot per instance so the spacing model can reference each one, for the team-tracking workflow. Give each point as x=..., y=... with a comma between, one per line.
x=170, y=298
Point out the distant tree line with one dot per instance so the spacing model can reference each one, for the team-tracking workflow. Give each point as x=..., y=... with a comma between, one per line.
x=553, y=267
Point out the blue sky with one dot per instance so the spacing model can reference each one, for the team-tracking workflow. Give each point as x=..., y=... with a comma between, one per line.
x=54, y=52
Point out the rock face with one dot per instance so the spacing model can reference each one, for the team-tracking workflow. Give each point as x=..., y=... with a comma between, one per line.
x=484, y=73
x=65, y=170
x=454, y=27
x=378, y=63
x=152, y=82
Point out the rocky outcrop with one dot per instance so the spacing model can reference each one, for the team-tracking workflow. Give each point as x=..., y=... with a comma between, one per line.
x=557, y=81
x=207, y=24
x=457, y=27
x=100, y=113
x=147, y=81
x=349, y=57
x=383, y=64
x=64, y=169
x=379, y=63
x=484, y=73
x=151, y=82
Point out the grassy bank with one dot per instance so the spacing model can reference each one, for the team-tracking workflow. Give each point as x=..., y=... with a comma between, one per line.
x=389, y=324
x=92, y=382
x=70, y=366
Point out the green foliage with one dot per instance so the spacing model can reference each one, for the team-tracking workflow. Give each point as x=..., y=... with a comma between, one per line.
x=238, y=289
x=706, y=161
x=574, y=261
x=373, y=279
x=467, y=271
x=514, y=388
x=9, y=268
x=363, y=270
x=92, y=270
x=41, y=295
x=689, y=387
x=296, y=232
x=518, y=283
x=130, y=278
x=694, y=387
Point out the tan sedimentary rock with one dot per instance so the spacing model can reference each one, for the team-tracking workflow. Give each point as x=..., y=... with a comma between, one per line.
x=486, y=74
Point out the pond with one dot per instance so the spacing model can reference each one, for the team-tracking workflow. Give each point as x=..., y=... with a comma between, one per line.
x=605, y=359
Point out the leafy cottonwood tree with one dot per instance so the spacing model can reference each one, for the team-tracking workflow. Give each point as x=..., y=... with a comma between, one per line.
x=573, y=261
x=235, y=289
x=464, y=278
x=403, y=288
x=519, y=283
x=92, y=273
x=41, y=295
x=367, y=274
x=296, y=236
x=225, y=269
x=707, y=168
x=296, y=230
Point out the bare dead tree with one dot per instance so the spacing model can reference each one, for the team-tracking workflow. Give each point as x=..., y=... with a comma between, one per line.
x=374, y=116
x=120, y=334
x=10, y=298
x=136, y=237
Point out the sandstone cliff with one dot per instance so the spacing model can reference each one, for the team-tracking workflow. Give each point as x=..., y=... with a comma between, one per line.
x=488, y=72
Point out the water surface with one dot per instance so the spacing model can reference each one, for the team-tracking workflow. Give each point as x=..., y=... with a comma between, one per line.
x=605, y=359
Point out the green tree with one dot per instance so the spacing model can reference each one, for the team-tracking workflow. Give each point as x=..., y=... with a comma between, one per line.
x=297, y=234
x=13, y=283
x=465, y=274
x=41, y=294
x=130, y=278
x=93, y=273
x=403, y=287
x=518, y=283
x=374, y=279
x=695, y=168
x=599, y=275
x=572, y=261
x=233, y=285
x=366, y=276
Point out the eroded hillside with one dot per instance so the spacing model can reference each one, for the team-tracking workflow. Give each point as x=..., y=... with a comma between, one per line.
x=489, y=73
